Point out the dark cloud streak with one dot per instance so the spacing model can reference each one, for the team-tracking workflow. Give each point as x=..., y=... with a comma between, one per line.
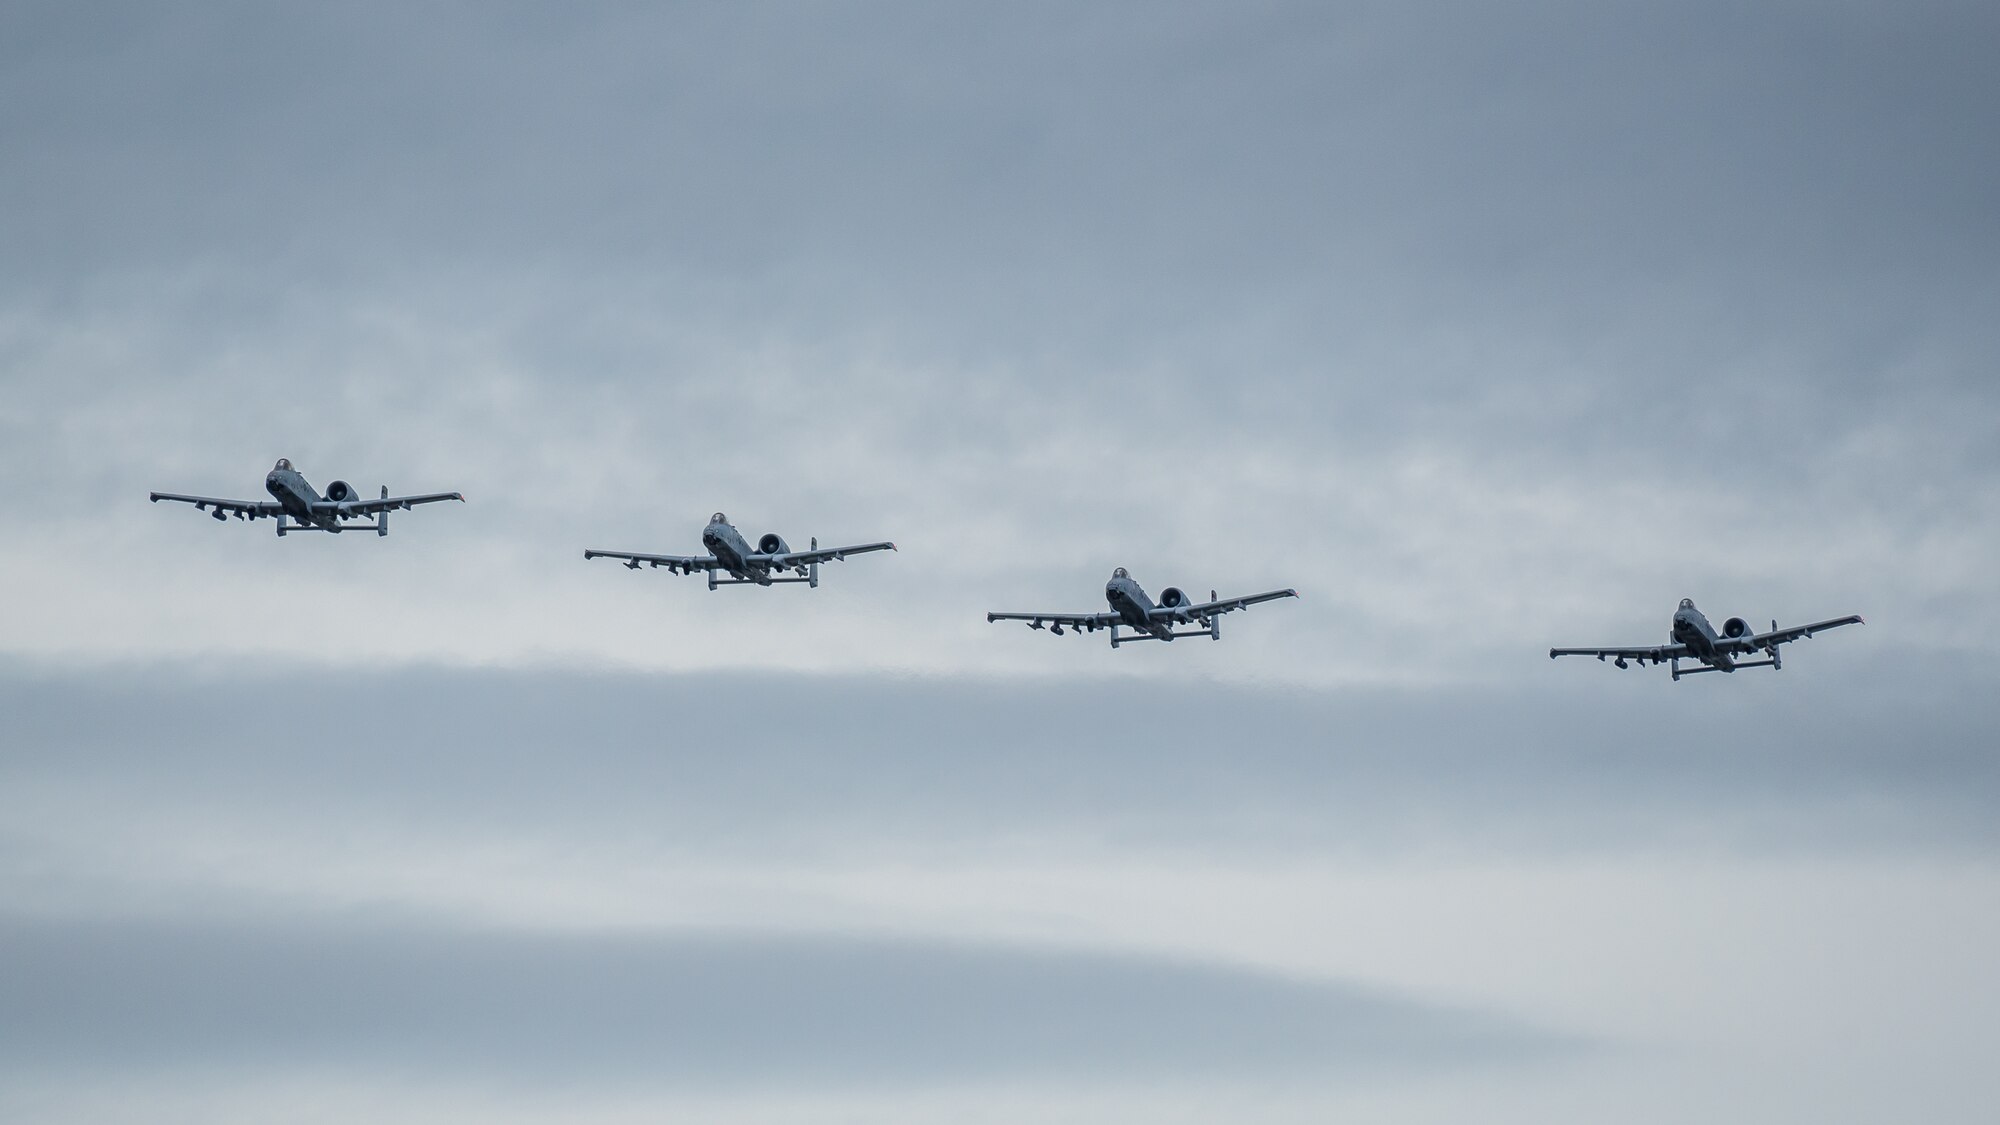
x=687, y=1009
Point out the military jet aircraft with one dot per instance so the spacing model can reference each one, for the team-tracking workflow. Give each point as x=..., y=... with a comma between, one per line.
x=729, y=551
x=294, y=498
x=1131, y=608
x=1694, y=639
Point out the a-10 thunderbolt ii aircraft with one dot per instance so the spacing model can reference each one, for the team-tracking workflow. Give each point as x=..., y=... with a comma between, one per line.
x=1131, y=608
x=1694, y=639
x=729, y=551
x=293, y=498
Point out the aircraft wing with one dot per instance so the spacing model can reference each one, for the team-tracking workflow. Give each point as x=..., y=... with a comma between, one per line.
x=1777, y=637
x=1077, y=621
x=794, y=559
x=250, y=509
x=677, y=564
x=357, y=509
x=1658, y=654
x=1221, y=605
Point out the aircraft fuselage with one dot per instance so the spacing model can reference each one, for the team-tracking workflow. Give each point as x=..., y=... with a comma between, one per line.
x=731, y=550
x=292, y=493
x=1693, y=630
x=1129, y=601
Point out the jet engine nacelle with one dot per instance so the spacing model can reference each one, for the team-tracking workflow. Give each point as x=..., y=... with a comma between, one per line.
x=340, y=492
x=1172, y=598
x=1735, y=627
x=773, y=544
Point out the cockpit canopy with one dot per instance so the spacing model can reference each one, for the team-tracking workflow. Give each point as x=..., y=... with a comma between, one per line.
x=1120, y=573
x=284, y=465
x=1687, y=603
x=718, y=518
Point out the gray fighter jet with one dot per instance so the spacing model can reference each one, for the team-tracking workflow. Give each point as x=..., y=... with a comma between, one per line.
x=1694, y=639
x=729, y=551
x=1131, y=608
x=294, y=499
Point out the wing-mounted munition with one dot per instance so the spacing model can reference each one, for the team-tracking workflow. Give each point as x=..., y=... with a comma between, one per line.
x=1132, y=609
x=296, y=506
x=772, y=561
x=1692, y=638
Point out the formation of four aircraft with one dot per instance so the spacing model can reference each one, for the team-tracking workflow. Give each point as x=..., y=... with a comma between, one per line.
x=296, y=506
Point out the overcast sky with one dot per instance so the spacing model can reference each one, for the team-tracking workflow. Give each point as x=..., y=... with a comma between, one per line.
x=1487, y=327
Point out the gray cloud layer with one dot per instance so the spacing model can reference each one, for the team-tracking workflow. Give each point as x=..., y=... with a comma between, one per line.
x=1227, y=200
x=723, y=762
